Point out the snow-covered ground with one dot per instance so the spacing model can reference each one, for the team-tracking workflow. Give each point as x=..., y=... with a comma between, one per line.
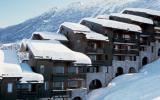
x=144, y=85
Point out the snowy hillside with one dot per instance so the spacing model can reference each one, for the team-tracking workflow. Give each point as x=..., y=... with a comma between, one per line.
x=51, y=20
x=141, y=86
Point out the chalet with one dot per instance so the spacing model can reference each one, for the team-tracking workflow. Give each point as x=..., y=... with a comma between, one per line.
x=93, y=44
x=146, y=37
x=124, y=40
x=30, y=84
x=62, y=68
x=10, y=73
x=13, y=74
x=155, y=16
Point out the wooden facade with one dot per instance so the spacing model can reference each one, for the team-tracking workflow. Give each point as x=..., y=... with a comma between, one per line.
x=122, y=42
x=99, y=51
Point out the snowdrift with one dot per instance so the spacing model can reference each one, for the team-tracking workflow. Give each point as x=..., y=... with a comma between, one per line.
x=144, y=85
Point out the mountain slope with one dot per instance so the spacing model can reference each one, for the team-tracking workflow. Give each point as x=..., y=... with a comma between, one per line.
x=51, y=20
x=139, y=86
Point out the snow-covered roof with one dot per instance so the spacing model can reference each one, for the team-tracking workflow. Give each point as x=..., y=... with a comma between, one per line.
x=9, y=64
x=10, y=67
x=82, y=58
x=51, y=36
x=95, y=36
x=102, y=17
x=28, y=76
x=78, y=28
x=50, y=50
x=133, y=18
x=56, y=51
x=143, y=10
x=114, y=24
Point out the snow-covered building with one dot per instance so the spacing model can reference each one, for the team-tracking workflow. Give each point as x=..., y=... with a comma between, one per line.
x=124, y=41
x=12, y=73
x=146, y=37
x=155, y=17
x=93, y=44
x=64, y=70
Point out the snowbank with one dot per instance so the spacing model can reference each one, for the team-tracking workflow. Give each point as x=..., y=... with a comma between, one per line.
x=140, y=86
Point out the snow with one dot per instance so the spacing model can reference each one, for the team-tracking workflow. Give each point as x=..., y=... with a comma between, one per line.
x=143, y=10
x=133, y=18
x=82, y=59
x=51, y=36
x=114, y=24
x=75, y=27
x=74, y=12
x=78, y=28
x=55, y=50
x=52, y=49
x=139, y=86
x=9, y=64
x=29, y=76
x=10, y=67
x=95, y=36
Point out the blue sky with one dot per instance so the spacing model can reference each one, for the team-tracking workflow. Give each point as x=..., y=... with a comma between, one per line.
x=16, y=11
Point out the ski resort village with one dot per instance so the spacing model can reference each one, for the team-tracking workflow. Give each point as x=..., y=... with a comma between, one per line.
x=107, y=57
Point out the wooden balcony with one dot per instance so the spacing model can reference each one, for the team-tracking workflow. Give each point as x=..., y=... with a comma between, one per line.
x=122, y=40
x=27, y=95
x=146, y=34
x=98, y=62
x=96, y=51
x=124, y=52
x=63, y=76
x=144, y=43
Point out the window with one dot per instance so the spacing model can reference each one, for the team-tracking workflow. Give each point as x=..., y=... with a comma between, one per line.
x=33, y=87
x=72, y=84
x=99, y=45
x=46, y=85
x=58, y=69
x=42, y=68
x=72, y=69
x=115, y=47
x=93, y=57
x=58, y=85
x=10, y=88
x=92, y=45
x=99, y=57
x=126, y=36
x=152, y=49
x=129, y=47
x=135, y=58
x=106, y=57
x=121, y=58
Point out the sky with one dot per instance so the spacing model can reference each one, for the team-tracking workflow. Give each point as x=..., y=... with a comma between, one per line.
x=16, y=11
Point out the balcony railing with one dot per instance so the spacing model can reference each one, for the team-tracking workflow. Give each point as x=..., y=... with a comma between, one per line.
x=98, y=62
x=97, y=50
x=126, y=51
x=144, y=43
x=65, y=76
x=27, y=95
x=146, y=34
x=123, y=40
